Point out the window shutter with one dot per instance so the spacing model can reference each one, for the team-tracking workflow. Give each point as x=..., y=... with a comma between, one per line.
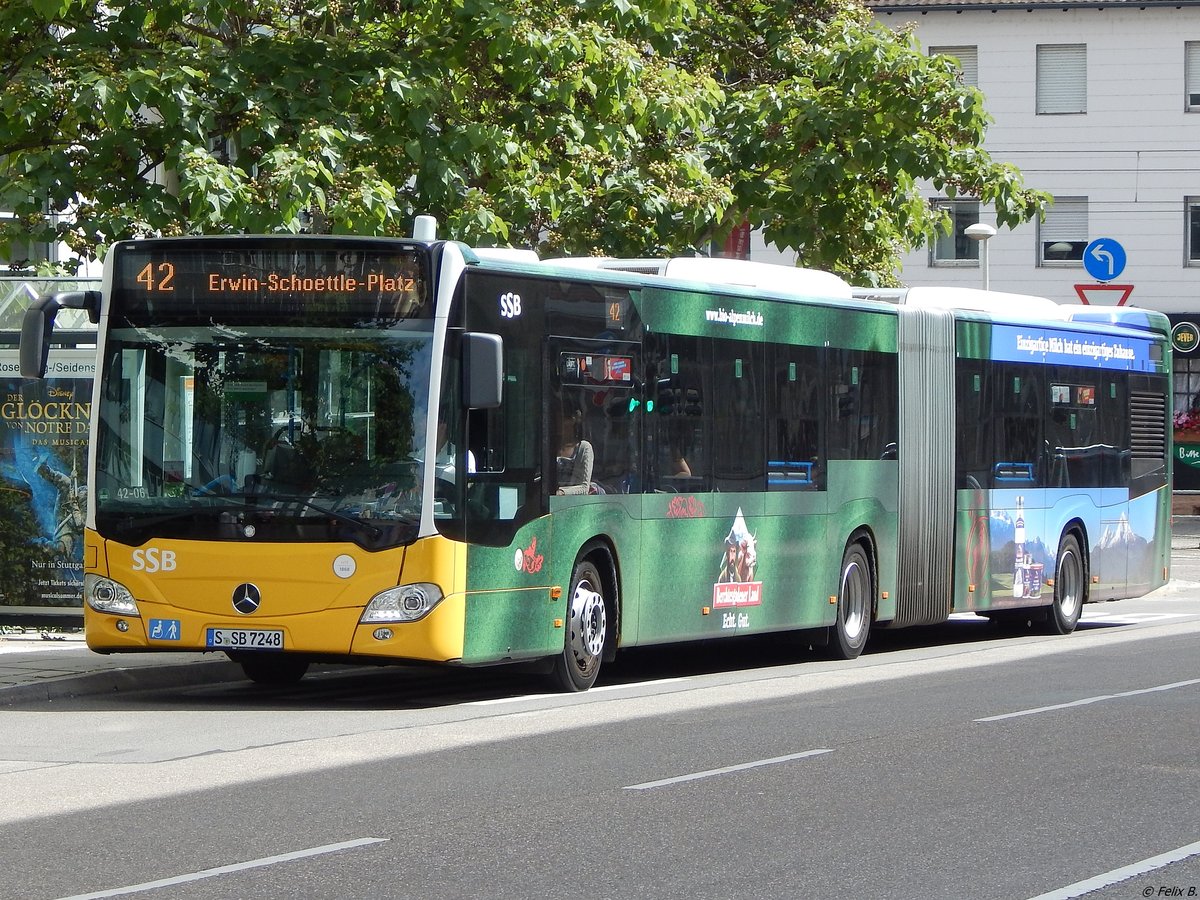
x=1061, y=78
x=1192, y=77
x=968, y=61
x=1066, y=220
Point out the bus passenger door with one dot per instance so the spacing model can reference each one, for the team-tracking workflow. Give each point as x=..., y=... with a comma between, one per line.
x=497, y=503
x=681, y=547
x=593, y=416
x=1022, y=548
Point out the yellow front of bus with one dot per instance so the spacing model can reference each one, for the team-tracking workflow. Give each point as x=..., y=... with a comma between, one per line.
x=325, y=601
x=267, y=464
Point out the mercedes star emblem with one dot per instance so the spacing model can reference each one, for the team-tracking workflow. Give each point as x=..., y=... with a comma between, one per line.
x=246, y=598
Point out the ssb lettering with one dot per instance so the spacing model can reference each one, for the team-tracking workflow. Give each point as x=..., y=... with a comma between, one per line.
x=152, y=559
x=510, y=305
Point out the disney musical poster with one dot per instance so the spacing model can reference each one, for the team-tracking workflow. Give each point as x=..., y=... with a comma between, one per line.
x=44, y=429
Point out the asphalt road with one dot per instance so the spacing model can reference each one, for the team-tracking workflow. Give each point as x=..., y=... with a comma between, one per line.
x=951, y=762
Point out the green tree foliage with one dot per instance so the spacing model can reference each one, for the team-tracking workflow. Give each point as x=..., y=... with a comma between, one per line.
x=831, y=121
x=577, y=126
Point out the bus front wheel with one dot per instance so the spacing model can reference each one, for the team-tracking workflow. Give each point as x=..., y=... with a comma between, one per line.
x=1069, y=585
x=854, y=604
x=265, y=668
x=576, y=668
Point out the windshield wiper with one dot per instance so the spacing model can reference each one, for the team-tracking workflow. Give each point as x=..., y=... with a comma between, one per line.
x=132, y=521
x=247, y=502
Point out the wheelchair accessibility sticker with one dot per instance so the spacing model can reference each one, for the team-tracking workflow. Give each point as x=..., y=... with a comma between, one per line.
x=164, y=629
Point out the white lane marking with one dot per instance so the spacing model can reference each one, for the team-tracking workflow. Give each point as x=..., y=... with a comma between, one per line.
x=723, y=771
x=225, y=870
x=1079, y=888
x=1086, y=700
x=633, y=684
x=1094, y=617
x=500, y=700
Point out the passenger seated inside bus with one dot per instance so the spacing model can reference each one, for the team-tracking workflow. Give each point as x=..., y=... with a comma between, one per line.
x=676, y=458
x=575, y=455
x=679, y=464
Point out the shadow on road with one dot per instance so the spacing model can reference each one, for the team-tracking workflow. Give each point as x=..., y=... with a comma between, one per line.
x=402, y=687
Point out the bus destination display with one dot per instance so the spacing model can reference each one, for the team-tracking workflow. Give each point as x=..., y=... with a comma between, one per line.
x=160, y=278
x=274, y=277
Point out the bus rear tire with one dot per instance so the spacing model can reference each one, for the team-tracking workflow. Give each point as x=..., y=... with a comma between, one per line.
x=577, y=667
x=1069, y=586
x=854, y=605
x=262, y=668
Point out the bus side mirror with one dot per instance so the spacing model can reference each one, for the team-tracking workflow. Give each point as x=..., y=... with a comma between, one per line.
x=37, y=327
x=483, y=370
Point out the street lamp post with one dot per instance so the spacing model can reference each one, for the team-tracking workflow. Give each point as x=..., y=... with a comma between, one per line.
x=981, y=233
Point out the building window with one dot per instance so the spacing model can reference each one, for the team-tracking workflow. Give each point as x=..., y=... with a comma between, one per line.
x=1186, y=389
x=1192, y=241
x=1064, y=234
x=954, y=248
x=1061, y=79
x=1191, y=76
x=967, y=59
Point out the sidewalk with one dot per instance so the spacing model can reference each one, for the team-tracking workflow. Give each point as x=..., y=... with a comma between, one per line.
x=37, y=666
x=1185, y=532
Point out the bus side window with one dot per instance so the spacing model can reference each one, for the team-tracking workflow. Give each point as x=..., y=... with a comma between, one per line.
x=865, y=396
x=506, y=489
x=680, y=460
x=737, y=414
x=486, y=439
x=975, y=424
x=1021, y=452
x=1114, y=428
x=793, y=452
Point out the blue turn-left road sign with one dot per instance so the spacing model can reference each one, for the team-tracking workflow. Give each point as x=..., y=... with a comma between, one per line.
x=1104, y=259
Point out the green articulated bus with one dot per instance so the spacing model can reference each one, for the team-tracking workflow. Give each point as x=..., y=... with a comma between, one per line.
x=337, y=448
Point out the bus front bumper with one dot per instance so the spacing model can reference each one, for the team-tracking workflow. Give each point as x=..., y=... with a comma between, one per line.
x=337, y=633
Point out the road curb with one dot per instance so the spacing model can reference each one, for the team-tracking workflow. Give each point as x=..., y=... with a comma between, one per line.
x=122, y=681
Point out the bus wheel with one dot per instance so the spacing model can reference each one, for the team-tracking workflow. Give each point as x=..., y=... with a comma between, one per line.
x=587, y=630
x=853, y=604
x=1068, y=588
x=263, y=668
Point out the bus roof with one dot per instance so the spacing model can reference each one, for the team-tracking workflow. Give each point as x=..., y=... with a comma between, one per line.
x=940, y=297
x=778, y=279
x=718, y=270
x=1022, y=307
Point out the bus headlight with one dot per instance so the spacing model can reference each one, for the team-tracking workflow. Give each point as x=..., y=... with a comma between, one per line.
x=108, y=596
x=405, y=603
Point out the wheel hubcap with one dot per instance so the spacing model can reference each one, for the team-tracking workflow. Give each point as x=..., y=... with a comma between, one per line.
x=1069, y=578
x=853, y=600
x=589, y=623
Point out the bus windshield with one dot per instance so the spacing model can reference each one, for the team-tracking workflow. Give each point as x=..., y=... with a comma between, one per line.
x=276, y=433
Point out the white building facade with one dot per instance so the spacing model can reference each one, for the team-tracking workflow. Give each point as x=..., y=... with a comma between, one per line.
x=1097, y=104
